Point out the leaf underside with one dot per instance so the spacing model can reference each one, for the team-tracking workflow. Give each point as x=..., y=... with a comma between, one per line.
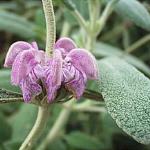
x=8, y=95
x=126, y=92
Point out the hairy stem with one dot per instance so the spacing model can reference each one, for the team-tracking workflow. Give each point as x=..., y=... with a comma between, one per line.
x=57, y=127
x=37, y=129
x=50, y=26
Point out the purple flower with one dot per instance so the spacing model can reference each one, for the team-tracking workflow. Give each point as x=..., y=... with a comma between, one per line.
x=70, y=67
x=26, y=62
x=78, y=66
x=52, y=75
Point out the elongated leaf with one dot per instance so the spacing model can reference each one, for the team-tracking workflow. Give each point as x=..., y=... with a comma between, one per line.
x=16, y=24
x=77, y=4
x=5, y=82
x=14, y=144
x=23, y=121
x=80, y=4
x=134, y=11
x=8, y=5
x=58, y=144
x=8, y=94
x=105, y=50
x=5, y=129
x=83, y=141
x=126, y=92
x=69, y=4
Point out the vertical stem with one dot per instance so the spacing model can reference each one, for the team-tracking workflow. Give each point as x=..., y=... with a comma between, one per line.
x=43, y=111
x=94, y=9
x=66, y=29
x=80, y=20
x=50, y=26
x=125, y=38
x=106, y=13
x=90, y=42
x=36, y=130
x=57, y=127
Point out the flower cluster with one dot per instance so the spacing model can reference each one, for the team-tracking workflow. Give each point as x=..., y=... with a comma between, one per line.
x=32, y=70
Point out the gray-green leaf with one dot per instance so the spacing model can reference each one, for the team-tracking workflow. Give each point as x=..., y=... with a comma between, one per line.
x=81, y=140
x=23, y=121
x=126, y=92
x=16, y=24
x=134, y=11
x=9, y=96
x=105, y=50
x=5, y=82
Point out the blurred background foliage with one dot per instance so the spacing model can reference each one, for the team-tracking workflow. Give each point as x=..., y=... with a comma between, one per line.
x=24, y=20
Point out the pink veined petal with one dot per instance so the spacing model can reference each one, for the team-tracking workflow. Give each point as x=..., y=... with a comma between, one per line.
x=53, y=75
x=58, y=62
x=77, y=85
x=34, y=45
x=26, y=91
x=84, y=61
x=69, y=72
x=49, y=82
x=23, y=65
x=40, y=56
x=39, y=71
x=14, y=50
x=51, y=92
x=29, y=88
x=65, y=43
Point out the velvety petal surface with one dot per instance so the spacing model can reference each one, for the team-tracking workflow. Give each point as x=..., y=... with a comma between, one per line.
x=53, y=75
x=68, y=73
x=14, y=50
x=84, y=61
x=29, y=88
x=24, y=63
x=66, y=44
x=77, y=85
x=34, y=45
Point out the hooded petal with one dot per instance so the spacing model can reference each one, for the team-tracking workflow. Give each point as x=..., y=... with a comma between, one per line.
x=66, y=44
x=24, y=63
x=53, y=75
x=84, y=61
x=14, y=50
x=77, y=85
